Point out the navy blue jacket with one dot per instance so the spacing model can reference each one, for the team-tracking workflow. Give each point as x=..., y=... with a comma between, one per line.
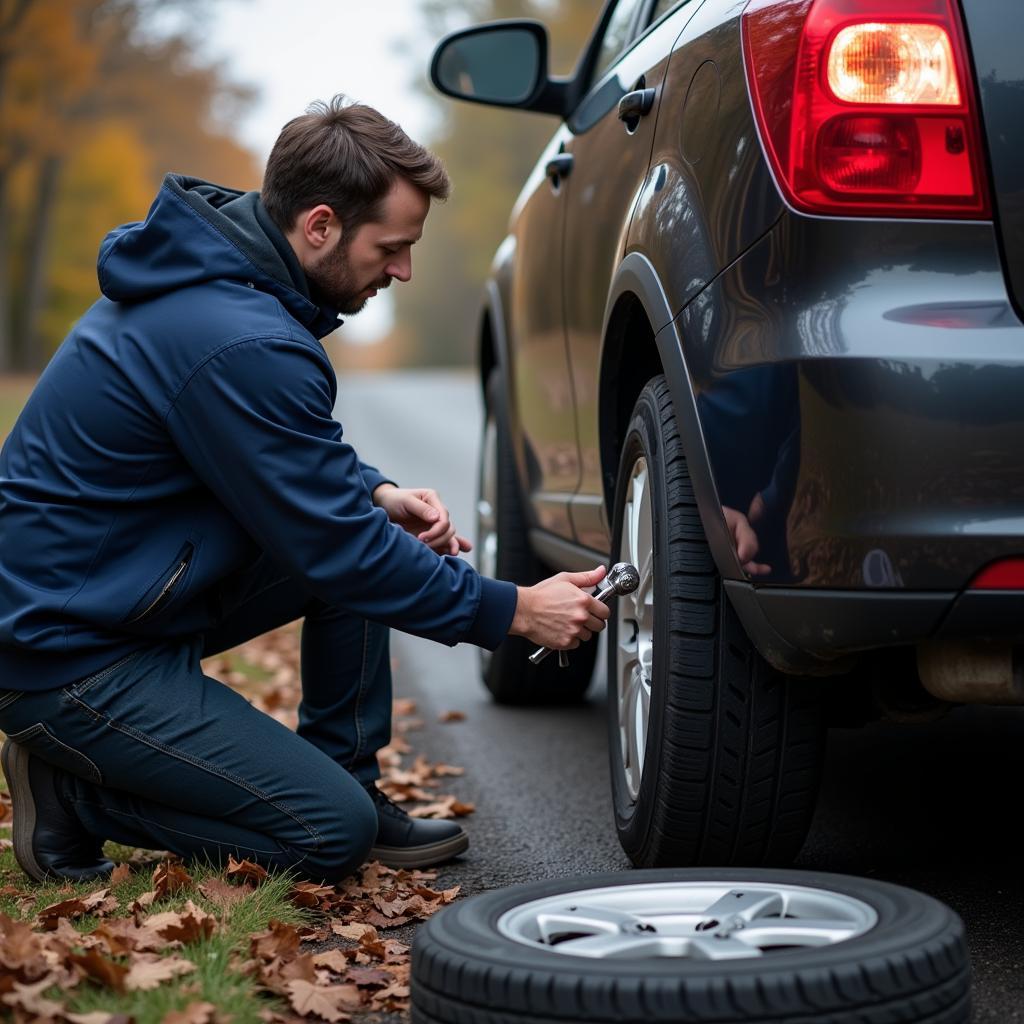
x=182, y=428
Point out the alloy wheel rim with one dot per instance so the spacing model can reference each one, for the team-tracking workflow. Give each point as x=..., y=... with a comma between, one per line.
x=634, y=654
x=486, y=511
x=701, y=920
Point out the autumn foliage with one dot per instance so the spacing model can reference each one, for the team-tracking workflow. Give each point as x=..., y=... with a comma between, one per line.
x=95, y=107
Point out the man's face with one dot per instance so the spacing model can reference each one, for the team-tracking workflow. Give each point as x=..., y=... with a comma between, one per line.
x=379, y=251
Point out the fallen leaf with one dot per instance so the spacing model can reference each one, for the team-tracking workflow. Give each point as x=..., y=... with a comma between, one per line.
x=224, y=894
x=187, y=926
x=333, y=959
x=449, y=807
x=327, y=1001
x=31, y=999
x=143, y=902
x=279, y=940
x=101, y=970
x=356, y=930
x=170, y=877
x=120, y=874
x=194, y=1013
x=366, y=976
x=49, y=916
x=99, y=1017
x=452, y=716
x=148, y=971
x=21, y=949
x=309, y=894
x=245, y=870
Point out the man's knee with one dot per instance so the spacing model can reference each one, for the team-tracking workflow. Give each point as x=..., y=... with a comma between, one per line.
x=344, y=842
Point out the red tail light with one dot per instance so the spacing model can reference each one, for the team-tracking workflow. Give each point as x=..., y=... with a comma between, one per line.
x=866, y=106
x=1007, y=574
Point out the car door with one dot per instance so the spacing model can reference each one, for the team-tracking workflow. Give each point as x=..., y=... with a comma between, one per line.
x=541, y=387
x=612, y=134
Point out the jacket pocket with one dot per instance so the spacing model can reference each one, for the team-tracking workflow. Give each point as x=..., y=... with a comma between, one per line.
x=39, y=740
x=160, y=593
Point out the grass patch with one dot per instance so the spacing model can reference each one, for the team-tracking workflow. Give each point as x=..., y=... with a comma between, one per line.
x=214, y=980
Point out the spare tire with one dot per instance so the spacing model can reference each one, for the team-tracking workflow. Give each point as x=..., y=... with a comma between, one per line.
x=721, y=945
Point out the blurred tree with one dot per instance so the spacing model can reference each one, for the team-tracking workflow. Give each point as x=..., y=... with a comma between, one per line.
x=73, y=74
x=489, y=153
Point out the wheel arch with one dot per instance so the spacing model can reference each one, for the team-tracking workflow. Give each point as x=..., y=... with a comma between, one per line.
x=637, y=298
x=641, y=339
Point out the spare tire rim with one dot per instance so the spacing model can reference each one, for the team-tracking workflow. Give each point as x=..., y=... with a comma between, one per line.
x=718, y=920
x=486, y=514
x=635, y=629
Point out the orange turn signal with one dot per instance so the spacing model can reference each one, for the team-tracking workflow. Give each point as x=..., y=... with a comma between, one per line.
x=905, y=63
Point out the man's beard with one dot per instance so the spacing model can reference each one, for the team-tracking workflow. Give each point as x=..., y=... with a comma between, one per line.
x=331, y=281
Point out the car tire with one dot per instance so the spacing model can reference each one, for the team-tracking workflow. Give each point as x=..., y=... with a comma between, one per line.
x=715, y=756
x=504, y=553
x=507, y=957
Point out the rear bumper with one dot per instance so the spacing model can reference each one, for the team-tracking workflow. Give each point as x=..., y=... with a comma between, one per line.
x=866, y=380
x=812, y=631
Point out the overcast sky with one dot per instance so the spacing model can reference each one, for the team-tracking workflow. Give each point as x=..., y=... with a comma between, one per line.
x=297, y=51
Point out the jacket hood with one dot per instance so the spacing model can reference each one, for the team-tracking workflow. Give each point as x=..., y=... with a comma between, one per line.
x=196, y=231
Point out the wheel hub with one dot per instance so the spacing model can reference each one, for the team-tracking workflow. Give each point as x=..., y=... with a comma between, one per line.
x=688, y=920
x=634, y=612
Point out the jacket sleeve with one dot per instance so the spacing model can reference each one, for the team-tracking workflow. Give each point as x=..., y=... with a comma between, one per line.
x=373, y=477
x=255, y=423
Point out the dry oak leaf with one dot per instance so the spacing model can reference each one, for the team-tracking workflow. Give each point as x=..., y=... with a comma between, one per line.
x=121, y=935
x=448, y=807
x=188, y=925
x=169, y=877
x=143, y=902
x=21, y=948
x=49, y=916
x=31, y=999
x=356, y=930
x=194, y=1013
x=149, y=971
x=245, y=870
x=448, y=769
x=279, y=940
x=378, y=920
x=452, y=716
x=333, y=960
x=99, y=1017
x=99, y=969
x=120, y=874
x=328, y=1001
x=224, y=894
x=368, y=976
x=309, y=894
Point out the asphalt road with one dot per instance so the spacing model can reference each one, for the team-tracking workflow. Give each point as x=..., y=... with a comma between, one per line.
x=935, y=807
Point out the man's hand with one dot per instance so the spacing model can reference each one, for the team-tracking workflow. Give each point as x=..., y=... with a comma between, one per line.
x=419, y=511
x=744, y=538
x=557, y=613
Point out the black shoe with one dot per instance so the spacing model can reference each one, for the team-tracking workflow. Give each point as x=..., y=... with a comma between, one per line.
x=404, y=842
x=49, y=842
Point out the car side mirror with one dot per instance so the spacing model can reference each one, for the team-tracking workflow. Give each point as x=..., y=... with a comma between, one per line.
x=502, y=64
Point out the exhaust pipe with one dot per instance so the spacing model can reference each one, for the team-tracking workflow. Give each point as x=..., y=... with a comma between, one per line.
x=971, y=671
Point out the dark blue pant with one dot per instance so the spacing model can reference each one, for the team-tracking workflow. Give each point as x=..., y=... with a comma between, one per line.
x=155, y=754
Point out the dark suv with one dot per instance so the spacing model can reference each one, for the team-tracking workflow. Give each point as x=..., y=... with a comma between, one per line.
x=755, y=328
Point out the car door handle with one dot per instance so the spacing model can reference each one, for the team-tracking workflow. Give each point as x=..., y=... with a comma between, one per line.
x=635, y=105
x=559, y=166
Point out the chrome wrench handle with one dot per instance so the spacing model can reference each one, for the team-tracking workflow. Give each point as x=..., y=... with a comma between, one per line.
x=622, y=578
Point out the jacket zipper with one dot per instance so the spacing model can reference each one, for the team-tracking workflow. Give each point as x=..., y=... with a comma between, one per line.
x=175, y=576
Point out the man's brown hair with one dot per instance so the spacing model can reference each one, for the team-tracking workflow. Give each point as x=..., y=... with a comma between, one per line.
x=348, y=156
